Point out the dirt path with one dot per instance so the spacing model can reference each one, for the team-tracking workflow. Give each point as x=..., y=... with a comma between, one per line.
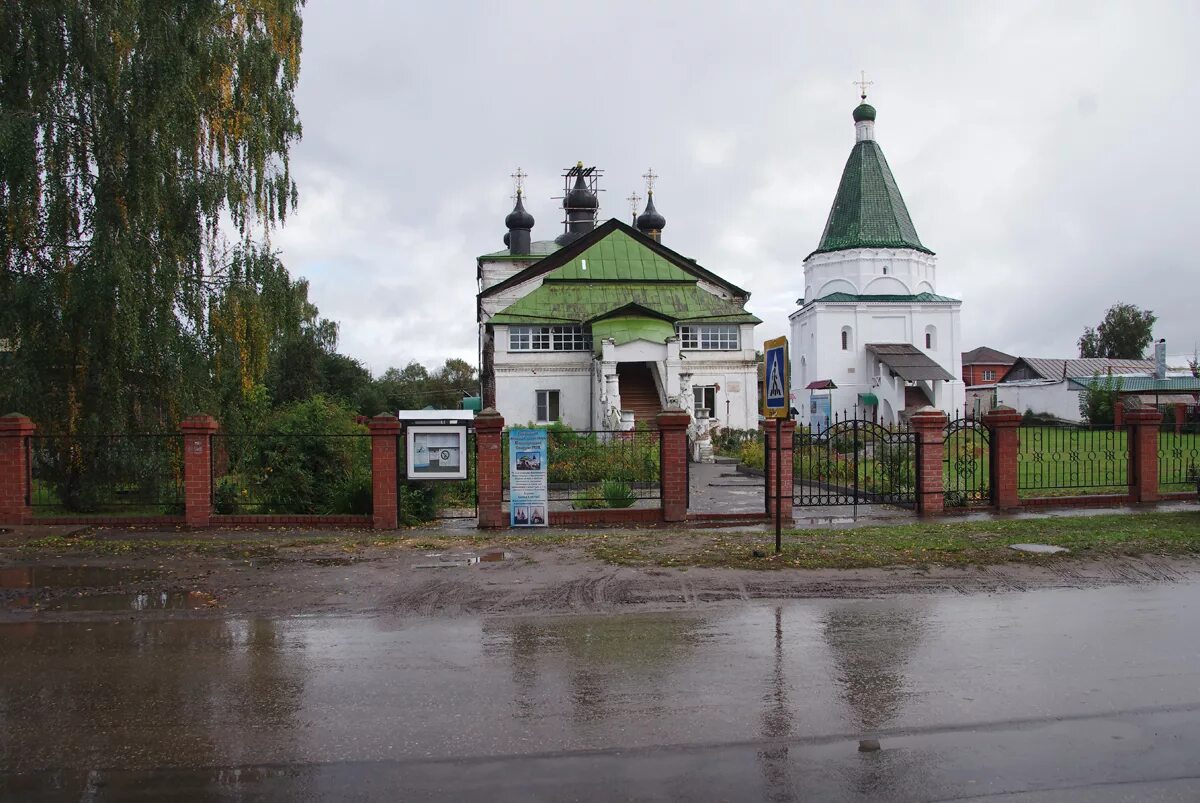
x=323, y=578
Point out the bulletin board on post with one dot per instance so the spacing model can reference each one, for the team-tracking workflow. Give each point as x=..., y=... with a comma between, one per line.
x=436, y=451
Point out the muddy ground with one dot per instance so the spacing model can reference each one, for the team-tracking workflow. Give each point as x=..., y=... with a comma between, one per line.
x=305, y=573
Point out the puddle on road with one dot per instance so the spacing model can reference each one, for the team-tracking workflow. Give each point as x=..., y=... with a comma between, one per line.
x=34, y=577
x=151, y=601
x=42, y=588
x=447, y=560
x=330, y=561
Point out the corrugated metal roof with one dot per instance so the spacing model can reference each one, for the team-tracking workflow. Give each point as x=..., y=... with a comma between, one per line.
x=908, y=361
x=1057, y=369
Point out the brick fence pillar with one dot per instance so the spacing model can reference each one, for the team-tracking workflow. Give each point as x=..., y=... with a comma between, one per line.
x=1003, y=425
x=385, y=432
x=779, y=489
x=1144, y=424
x=929, y=425
x=197, y=469
x=1180, y=417
x=489, y=468
x=1118, y=415
x=673, y=459
x=15, y=432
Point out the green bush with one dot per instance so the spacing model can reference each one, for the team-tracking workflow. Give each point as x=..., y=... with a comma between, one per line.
x=618, y=494
x=416, y=504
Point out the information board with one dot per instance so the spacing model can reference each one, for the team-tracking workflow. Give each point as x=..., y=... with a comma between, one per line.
x=775, y=393
x=527, y=478
x=436, y=452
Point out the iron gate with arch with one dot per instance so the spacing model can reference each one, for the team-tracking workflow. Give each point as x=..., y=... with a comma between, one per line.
x=967, y=462
x=855, y=461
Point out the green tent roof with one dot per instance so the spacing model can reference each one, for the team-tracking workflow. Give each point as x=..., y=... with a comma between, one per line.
x=868, y=211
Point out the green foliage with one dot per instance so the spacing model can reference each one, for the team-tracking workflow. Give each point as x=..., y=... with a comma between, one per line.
x=1125, y=333
x=729, y=442
x=582, y=458
x=895, y=469
x=613, y=494
x=1098, y=403
x=128, y=133
x=311, y=458
x=414, y=387
x=416, y=504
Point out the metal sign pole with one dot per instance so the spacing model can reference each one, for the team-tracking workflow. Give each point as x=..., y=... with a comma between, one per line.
x=778, y=486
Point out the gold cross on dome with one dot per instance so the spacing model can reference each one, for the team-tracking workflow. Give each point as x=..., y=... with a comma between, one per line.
x=519, y=181
x=635, y=202
x=862, y=83
x=650, y=177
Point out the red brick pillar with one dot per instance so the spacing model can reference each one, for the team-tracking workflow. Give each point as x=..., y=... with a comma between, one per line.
x=673, y=458
x=1180, y=417
x=1144, y=424
x=15, y=432
x=781, y=490
x=929, y=425
x=197, y=469
x=1003, y=425
x=1118, y=415
x=489, y=468
x=385, y=431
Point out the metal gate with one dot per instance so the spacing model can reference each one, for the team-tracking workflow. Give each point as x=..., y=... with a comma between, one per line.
x=967, y=459
x=855, y=462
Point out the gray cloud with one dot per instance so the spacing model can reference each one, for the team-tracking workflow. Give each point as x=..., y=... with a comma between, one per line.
x=1043, y=150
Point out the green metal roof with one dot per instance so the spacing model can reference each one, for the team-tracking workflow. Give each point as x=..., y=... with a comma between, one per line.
x=868, y=211
x=582, y=302
x=1142, y=384
x=619, y=273
x=919, y=298
x=618, y=257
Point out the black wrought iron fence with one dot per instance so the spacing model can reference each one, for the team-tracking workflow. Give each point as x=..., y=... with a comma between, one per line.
x=600, y=468
x=966, y=456
x=97, y=474
x=269, y=473
x=855, y=462
x=1066, y=460
x=1178, y=459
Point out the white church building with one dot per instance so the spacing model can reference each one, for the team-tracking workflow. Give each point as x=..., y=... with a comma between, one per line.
x=604, y=327
x=872, y=338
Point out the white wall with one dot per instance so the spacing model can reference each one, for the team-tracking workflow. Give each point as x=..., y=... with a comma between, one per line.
x=817, y=351
x=1054, y=398
x=862, y=271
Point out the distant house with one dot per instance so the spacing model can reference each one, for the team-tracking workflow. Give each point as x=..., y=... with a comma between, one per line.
x=985, y=366
x=1044, y=385
x=981, y=369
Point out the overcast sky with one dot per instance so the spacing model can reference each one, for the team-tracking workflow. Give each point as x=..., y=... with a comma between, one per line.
x=1044, y=151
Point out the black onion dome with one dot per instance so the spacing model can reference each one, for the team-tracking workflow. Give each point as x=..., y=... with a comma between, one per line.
x=519, y=218
x=651, y=220
x=506, y=239
x=580, y=197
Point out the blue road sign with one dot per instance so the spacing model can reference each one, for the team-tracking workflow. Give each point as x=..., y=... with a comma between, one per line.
x=776, y=392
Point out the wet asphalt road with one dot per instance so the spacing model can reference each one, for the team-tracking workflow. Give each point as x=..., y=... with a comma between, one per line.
x=1038, y=696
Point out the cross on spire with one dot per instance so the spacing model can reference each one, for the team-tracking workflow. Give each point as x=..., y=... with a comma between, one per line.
x=519, y=182
x=650, y=177
x=635, y=201
x=862, y=83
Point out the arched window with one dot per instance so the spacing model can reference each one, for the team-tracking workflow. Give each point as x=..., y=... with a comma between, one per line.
x=931, y=337
x=885, y=270
x=846, y=333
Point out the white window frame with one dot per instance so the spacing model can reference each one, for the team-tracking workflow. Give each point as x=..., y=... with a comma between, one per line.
x=698, y=394
x=989, y=375
x=709, y=337
x=541, y=401
x=549, y=338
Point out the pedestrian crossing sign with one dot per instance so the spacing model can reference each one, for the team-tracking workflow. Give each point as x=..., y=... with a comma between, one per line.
x=776, y=380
